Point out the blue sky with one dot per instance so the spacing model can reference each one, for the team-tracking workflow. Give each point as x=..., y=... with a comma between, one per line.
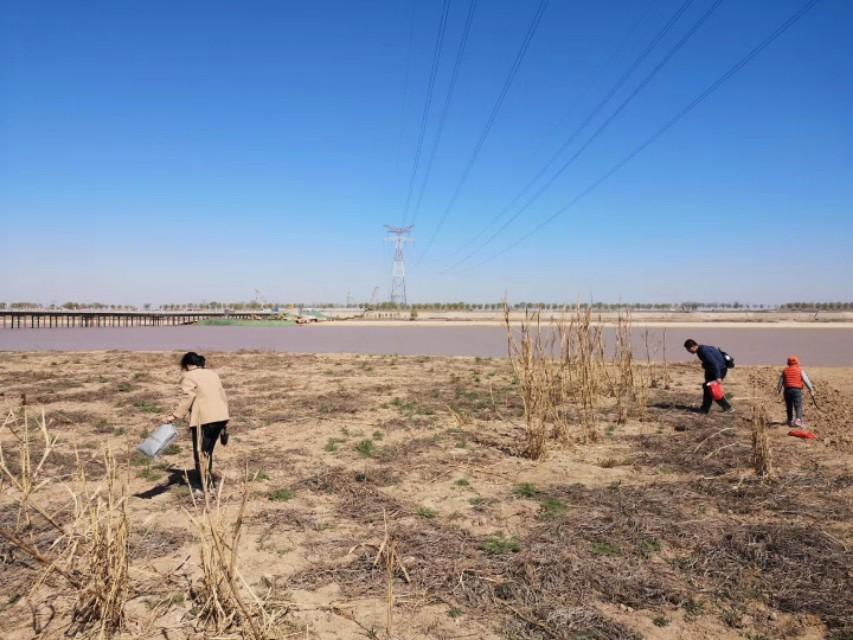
x=167, y=152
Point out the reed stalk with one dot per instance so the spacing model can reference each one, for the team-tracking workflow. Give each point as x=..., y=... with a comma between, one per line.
x=220, y=605
x=90, y=549
x=100, y=550
x=624, y=360
x=526, y=357
x=28, y=478
x=762, y=459
x=388, y=556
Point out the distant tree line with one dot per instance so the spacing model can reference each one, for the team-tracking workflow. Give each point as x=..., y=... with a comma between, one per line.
x=817, y=306
x=562, y=306
x=256, y=305
x=68, y=306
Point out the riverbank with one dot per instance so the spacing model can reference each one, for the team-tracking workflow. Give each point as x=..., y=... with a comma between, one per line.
x=670, y=318
x=608, y=322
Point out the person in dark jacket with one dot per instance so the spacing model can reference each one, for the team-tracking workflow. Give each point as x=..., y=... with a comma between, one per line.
x=715, y=371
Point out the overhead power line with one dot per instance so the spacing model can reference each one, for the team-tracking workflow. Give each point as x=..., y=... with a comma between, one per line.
x=496, y=107
x=454, y=76
x=593, y=79
x=436, y=57
x=716, y=84
x=408, y=73
x=602, y=127
x=626, y=75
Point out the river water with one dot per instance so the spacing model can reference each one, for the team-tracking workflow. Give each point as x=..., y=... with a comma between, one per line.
x=759, y=344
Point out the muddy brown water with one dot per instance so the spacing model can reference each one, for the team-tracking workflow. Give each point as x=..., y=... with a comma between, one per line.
x=750, y=345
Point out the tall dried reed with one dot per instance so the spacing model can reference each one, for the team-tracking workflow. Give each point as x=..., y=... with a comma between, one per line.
x=90, y=549
x=762, y=459
x=623, y=359
x=563, y=375
x=98, y=549
x=219, y=593
x=535, y=384
x=28, y=477
x=560, y=372
x=584, y=357
x=388, y=556
x=650, y=347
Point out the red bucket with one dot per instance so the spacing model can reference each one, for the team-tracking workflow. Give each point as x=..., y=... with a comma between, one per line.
x=716, y=390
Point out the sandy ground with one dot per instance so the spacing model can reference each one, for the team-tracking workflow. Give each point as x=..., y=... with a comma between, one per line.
x=658, y=530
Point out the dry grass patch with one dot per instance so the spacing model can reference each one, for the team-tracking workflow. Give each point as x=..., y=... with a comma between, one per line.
x=794, y=569
x=157, y=542
x=25, y=471
x=89, y=555
x=224, y=601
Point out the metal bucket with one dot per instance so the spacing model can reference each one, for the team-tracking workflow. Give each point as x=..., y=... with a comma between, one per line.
x=156, y=443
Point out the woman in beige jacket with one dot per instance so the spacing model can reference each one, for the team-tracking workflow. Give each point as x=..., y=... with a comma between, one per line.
x=205, y=402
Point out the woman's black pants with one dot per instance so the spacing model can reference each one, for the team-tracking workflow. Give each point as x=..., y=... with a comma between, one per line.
x=209, y=436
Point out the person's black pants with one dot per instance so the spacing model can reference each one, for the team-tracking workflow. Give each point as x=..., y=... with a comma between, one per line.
x=794, y=404
x=708, y=399
x=207, y=441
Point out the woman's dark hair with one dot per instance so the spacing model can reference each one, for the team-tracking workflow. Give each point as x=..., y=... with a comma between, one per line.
x=192, y=359
x=688, y=344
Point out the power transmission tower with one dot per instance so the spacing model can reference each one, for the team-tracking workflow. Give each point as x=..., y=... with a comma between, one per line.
x=399, y=236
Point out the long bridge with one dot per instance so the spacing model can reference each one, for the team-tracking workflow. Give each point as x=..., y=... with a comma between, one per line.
x=55, y=318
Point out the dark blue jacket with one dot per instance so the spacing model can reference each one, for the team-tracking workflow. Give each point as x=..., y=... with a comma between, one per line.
x=712, y=361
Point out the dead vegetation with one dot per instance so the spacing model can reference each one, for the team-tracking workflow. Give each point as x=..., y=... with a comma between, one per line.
x=85, y=559
x=155, y=542
x=359, y=494
x=97, y=551
x=566, y=379
x=532, y=366
x=25, y=474
x=626, y=546
x=88, y=551
x=224, y=600
x=761, y=458
x=794, y=569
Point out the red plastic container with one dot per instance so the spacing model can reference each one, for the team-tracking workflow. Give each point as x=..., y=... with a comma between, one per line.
x=716, y=390
x=799, y=433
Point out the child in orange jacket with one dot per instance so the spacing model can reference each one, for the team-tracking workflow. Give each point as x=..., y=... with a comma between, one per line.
x=792, y=380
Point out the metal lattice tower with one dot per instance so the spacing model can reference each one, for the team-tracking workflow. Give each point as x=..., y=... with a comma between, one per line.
x=399, y=236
